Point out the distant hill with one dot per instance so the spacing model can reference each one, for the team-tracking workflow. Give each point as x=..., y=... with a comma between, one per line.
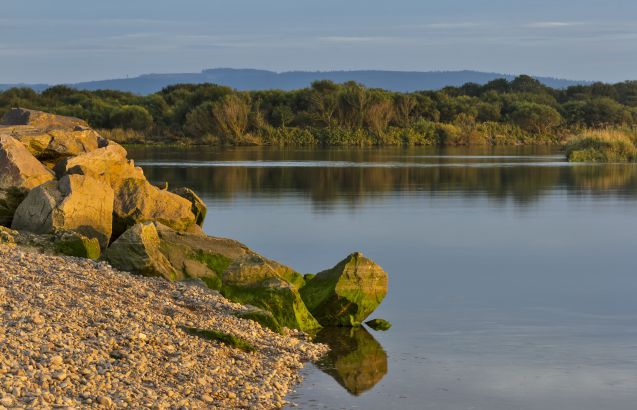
x=250, y=79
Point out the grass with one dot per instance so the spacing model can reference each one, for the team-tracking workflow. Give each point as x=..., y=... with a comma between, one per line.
x=603, y=146
x=225, y=338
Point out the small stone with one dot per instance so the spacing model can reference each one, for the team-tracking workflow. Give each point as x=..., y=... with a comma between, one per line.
x=105, y=401
x=57, y=360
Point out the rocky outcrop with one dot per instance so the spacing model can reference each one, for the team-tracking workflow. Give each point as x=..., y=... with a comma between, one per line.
x=50, y=137
x=346, y=294
x=138, y=251
x=107, y=164
x=74, y=203
x=95, y=196
x=198, y=208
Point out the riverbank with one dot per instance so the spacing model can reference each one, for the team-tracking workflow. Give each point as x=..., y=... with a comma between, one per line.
x=76, y=333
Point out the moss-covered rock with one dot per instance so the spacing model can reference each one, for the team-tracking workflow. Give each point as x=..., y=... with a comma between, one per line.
x=75, y=244
x=378, y=324
x=278, y=297
x=346, y=294
x=262, y=317
x=138, y=251
x=222, y=337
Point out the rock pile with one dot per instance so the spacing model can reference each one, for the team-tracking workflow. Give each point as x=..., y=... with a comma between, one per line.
x=61, y=179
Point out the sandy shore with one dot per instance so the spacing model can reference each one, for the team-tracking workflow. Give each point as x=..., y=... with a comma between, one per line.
x=78, y=334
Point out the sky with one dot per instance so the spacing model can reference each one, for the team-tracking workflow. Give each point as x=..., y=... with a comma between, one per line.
x=65, y=41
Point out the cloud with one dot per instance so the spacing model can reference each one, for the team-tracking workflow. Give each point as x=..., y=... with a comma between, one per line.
x=354, y=39
x=551, y=24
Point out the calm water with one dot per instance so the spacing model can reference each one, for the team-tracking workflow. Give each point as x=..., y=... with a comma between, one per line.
x=513, y=280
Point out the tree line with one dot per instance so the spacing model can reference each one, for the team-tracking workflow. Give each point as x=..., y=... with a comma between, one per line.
x=521, y=111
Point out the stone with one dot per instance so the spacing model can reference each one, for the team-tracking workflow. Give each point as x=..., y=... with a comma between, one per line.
x=7, y=236
x=107, y=164
x=199, y=208
x=136, y=200
x=50, y=137
x=74, y=244
x=346, y=294
x=19, y=168
x=242, y=275
x=278, y=297
x=23, y=116
x=75, y=203
x=9, y=201
x=379, y=324
x=137, y=251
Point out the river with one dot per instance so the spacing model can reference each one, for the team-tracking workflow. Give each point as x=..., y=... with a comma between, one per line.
x=512, y=273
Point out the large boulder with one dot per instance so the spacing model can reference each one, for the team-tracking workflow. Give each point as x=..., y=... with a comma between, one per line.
x=50, y=137
x=40, y=119
x=18, y=167
x=346, y=294
x=107, y=164
x=19, y=173
x=74, y=203
x=198, y=208
x=138, y=251
x=137, y=200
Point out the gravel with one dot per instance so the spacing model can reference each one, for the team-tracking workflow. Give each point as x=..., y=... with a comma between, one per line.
x=75, y=333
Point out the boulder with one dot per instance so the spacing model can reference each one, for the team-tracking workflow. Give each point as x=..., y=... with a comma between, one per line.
x=198, y=208
x=107, y=164
x=50, y=137
x=276, y=296
x=242, y=275
x=9, y=201
x=74, y=244
x=75, y=203
x=379, y=324
x=136, y=200
x=18, y=167
x=19, y=173
x=346, y=294
x=40, y=119
x=138, y=251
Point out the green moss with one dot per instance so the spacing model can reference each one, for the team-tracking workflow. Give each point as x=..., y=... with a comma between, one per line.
x=309, y=276
x=217, y=263
x=284, y=303
x=79, y=246
x=225, y=338
x=212, y=283
x=265, y=319
x=378, y=324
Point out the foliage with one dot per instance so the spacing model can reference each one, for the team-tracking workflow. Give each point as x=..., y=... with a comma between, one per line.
x=522, y=111
x=602, y=146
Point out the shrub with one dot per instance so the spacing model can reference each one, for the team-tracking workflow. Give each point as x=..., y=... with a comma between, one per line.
x=602, y=146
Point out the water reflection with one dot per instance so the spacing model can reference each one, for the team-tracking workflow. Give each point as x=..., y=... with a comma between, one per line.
x=356, y=360
x=322, y=175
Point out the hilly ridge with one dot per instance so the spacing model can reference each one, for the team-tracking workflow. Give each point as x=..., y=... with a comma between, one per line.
x=253, y=79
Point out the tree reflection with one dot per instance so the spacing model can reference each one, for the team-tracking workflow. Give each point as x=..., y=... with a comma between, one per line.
x=499, y=179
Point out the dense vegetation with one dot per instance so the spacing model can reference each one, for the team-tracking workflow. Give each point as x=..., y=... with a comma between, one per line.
x=501, y=112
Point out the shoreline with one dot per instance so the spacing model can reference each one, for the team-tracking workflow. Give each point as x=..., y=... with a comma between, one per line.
x=77, y=333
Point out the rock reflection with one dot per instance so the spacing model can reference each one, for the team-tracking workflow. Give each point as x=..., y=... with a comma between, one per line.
x=356, y=360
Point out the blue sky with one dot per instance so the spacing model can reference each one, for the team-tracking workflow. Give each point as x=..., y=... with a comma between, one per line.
x=72, y=40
